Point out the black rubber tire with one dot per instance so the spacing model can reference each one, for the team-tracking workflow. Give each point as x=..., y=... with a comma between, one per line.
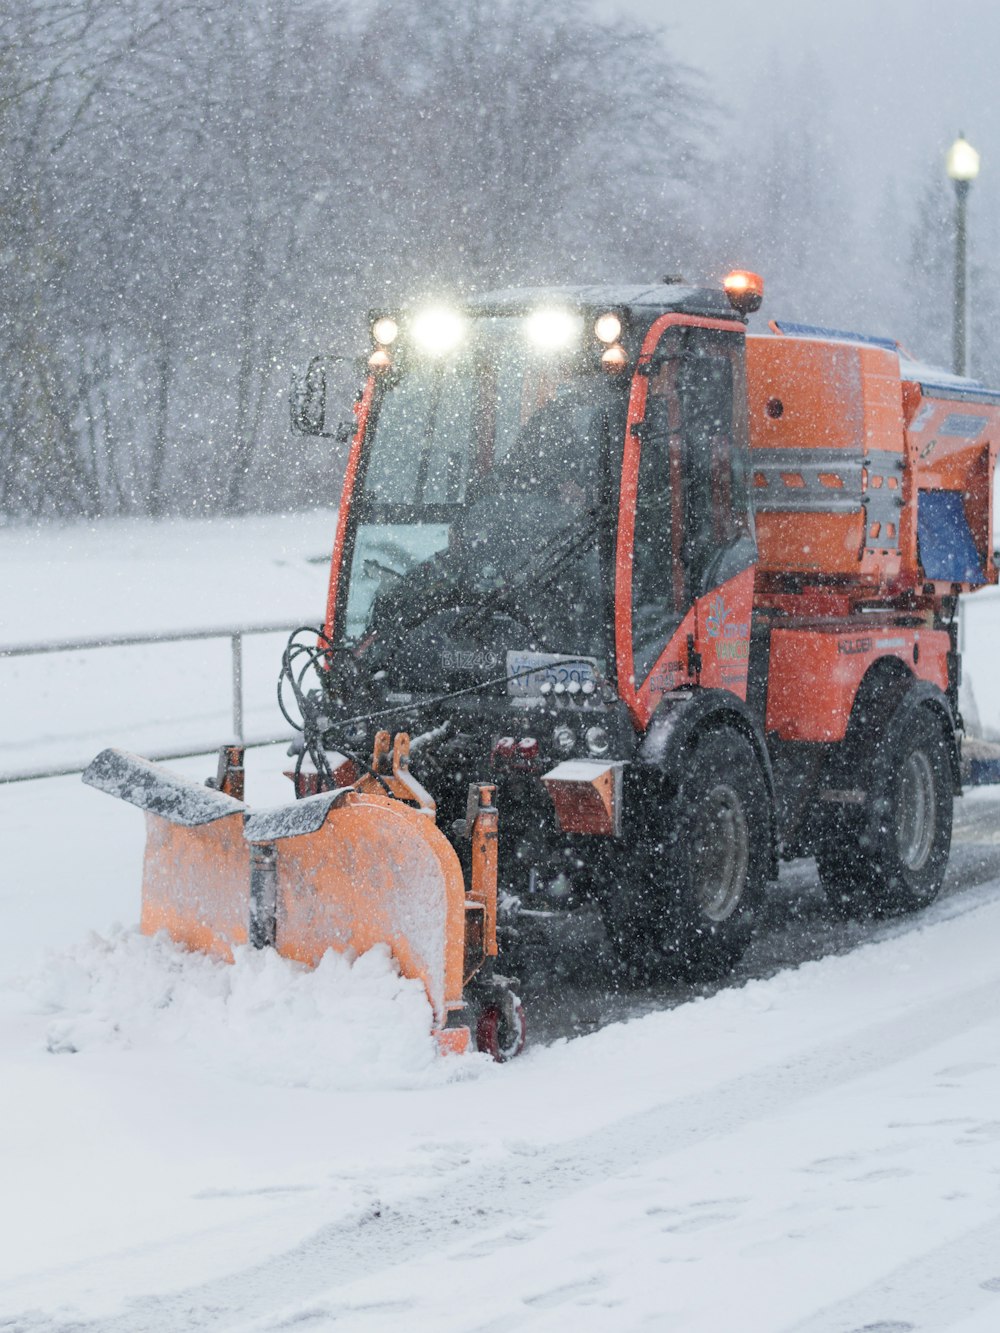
x=703, y=870
x=890, y=854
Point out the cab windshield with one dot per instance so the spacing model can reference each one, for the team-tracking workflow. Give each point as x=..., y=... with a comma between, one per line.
x=476, y=519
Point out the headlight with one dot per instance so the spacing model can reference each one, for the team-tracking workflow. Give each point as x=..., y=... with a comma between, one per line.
x=597, y=741
x=437, y=331
x=564, y=739
x=608, y=328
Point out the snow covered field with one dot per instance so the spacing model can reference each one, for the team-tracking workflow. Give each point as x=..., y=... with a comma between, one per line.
x=130, y=577
x=189, y=1146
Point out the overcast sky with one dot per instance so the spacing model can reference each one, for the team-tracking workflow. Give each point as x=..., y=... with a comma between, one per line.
x=903, y=76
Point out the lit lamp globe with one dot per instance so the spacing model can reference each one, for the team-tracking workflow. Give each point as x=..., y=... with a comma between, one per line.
x=962, y=162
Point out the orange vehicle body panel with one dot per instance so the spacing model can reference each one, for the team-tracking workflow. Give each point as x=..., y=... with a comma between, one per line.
x=862, y=444
x=946, y=462
x=377, y=871
x=815, y=673
x=196, y=884
x=722, y=634
x=839, y=398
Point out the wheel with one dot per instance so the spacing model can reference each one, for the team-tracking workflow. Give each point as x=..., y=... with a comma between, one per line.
x=703, y=870
x=501, y=1030
x=890, y=853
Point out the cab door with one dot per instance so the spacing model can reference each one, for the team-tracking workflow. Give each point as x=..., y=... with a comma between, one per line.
x=684, y=568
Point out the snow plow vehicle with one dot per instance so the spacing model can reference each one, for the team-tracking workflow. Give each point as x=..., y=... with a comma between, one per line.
x=684, y=597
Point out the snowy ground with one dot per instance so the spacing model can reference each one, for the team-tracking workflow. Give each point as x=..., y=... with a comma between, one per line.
x=189, y=1146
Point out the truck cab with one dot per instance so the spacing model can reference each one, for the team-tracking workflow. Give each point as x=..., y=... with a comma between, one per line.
x=556, y=474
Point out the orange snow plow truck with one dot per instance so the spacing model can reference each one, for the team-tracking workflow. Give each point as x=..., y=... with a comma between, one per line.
x=678, y=602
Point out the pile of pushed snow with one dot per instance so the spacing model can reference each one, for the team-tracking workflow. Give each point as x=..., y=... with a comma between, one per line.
x=347, y=1024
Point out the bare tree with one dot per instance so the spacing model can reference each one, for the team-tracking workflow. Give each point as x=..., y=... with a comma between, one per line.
x=189, y=190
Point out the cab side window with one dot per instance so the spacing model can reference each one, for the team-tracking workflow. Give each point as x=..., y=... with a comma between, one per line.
x=692, y=503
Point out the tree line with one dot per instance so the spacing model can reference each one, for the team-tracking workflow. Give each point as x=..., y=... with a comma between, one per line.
x=193, y=194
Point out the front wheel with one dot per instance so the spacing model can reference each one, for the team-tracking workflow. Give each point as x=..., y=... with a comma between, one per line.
x=702, y=866
x=891, y=853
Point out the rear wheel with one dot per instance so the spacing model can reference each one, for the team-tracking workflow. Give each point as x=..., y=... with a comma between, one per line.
x=704, y=868
x=890, y=853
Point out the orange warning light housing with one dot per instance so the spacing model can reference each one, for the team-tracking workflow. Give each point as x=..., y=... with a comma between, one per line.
x=745, y=290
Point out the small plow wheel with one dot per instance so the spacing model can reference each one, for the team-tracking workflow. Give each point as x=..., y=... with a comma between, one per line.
x=501, y=1030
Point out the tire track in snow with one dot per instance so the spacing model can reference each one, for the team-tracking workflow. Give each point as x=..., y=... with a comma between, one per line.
x=477, y=1202
x=923, y=1293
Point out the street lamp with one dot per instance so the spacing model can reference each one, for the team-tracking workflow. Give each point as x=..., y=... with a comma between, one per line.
x=962, y=165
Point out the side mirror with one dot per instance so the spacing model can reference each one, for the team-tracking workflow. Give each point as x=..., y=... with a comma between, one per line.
x=308, y=399
x=308, y=403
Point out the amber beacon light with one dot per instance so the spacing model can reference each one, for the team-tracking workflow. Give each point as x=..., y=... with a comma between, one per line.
x=745, y=290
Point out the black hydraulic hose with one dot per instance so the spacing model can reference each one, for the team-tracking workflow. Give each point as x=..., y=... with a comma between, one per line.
x=456, y=694
x=313, y=733
x=434, y=699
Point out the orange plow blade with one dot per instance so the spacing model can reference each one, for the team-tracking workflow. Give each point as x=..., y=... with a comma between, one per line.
x=343, y=870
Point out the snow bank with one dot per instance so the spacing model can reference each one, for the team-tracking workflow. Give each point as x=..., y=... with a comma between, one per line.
x=345, y=1025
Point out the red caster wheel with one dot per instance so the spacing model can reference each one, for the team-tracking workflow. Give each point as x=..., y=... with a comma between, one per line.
x=501, y=1030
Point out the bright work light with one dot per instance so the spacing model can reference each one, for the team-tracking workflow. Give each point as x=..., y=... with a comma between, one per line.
x=385, y=330
x=437, y=330
x=554, y=329
x=608, y=328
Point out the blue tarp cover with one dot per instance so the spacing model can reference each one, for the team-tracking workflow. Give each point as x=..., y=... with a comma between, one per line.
x=837, y=335
x=947, y=551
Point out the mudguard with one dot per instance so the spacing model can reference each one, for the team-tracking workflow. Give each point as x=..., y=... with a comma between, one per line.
x=681, y=718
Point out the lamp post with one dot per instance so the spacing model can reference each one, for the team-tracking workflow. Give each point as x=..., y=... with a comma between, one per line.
x=962, y=165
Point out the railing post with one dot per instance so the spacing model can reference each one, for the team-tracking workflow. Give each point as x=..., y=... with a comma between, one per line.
x=237, y=645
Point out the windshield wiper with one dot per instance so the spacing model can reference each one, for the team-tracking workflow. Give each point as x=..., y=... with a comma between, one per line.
x=547, y=562
x=404, y=605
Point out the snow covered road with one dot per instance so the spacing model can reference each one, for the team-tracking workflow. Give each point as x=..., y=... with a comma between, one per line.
x=818, y=1150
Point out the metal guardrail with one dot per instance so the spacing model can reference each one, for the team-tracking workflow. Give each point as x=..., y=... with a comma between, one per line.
x=234, y=633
